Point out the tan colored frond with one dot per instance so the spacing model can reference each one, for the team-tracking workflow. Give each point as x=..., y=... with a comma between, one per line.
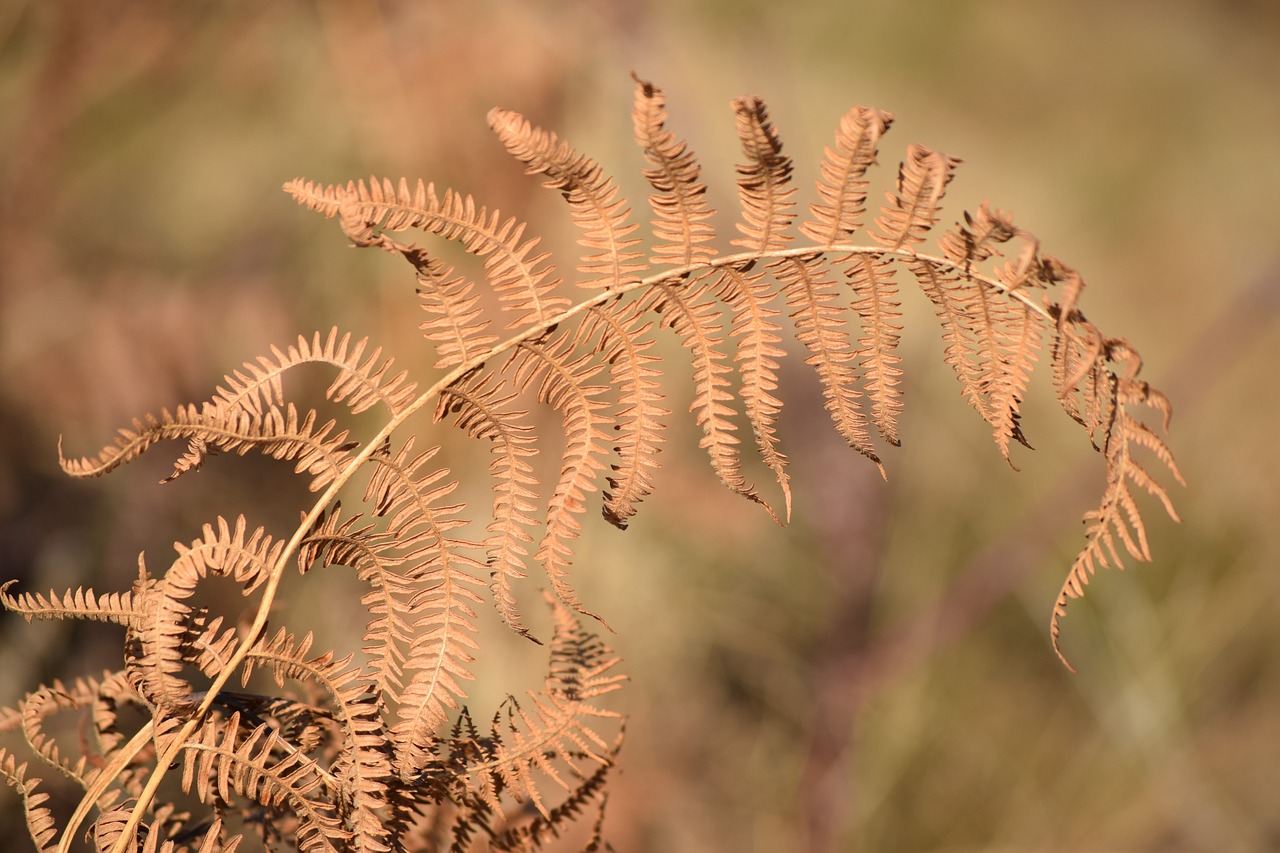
x=49, y=701
x=362, y=382
x=555, y=730
x=750, y=296
x=876, y=303
x=689, y=309
x=524, y=282
x=1019, y=345
x=953, y=296
x=679, y=198
x=913, y=209
x=992, y=343
x=439, y=576
x=375, y=556
x=841, y=185
x=812, y=297
x=484, y=411
x=764, y=181
x=594, y=202
x=228, y=758
x=563, y=381
x=169, y=633
x=974, y=242
x=1117, y=516
x=457, y=325
x=81, y=603
x=41, y=825
x=624, y=343
x=315, y=450
x=356, y=703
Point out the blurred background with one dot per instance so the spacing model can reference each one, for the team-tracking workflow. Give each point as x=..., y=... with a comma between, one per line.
x=877, y=675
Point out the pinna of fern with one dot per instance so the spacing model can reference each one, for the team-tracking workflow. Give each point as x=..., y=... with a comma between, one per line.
x=358, y=754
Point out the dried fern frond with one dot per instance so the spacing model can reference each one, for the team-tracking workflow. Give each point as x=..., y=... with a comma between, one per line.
x=345, y=752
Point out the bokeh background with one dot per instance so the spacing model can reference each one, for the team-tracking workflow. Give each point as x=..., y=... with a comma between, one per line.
x=876, y=676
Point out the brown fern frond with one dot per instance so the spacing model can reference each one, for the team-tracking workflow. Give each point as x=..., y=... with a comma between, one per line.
x=438, y=571
x=680, y=228
x=362, y=382
x=876, y=302
x=484, y=412
x=758, y=352
x=975, y=241
x=457, y=324
x=991, y=342
x=1017, y=352
x=820, y=326
x=1117, y=516
x=841, y=184
x=374, y=555
x=41, y=824
x=764, y=181
x=623, y=342
x=228, y=759
x=364, y=762
x=82, y=603
x=525, y=285
x=543, y=828
x=691, y=310
x=913, y=209
x=45, y=702
x=277, y=433
x=562, y=382
x=560, y=725
x=594, y=203
x=952, y=296
x=169, y=634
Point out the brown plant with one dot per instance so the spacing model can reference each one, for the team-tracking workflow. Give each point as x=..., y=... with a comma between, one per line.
x=321, y=751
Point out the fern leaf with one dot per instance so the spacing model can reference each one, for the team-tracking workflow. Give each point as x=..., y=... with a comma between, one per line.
x=876, y=302
x=974, y=242
x=678, y=199
x=278, y=433
x=388, y=631
x=484, y=412
x=166, y=636
x=820, y=326
x=560, y=726
x=842, y=187
x=255, y=763
x=1117, y=515
x=525, y=283
x=364, y=763
x=360, y=384
x=696, y=318
x=82, y=603
x=913, y=209
x=457, y=326
x=750, y=295
x=41, y=825
x=440, y=615
x=764, y=181
x=593, y=198
x=624, y=343
x=43, y=703
x=1015, y=358
x=562, y=382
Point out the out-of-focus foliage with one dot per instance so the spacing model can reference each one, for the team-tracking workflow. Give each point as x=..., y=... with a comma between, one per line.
x=894, y=694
